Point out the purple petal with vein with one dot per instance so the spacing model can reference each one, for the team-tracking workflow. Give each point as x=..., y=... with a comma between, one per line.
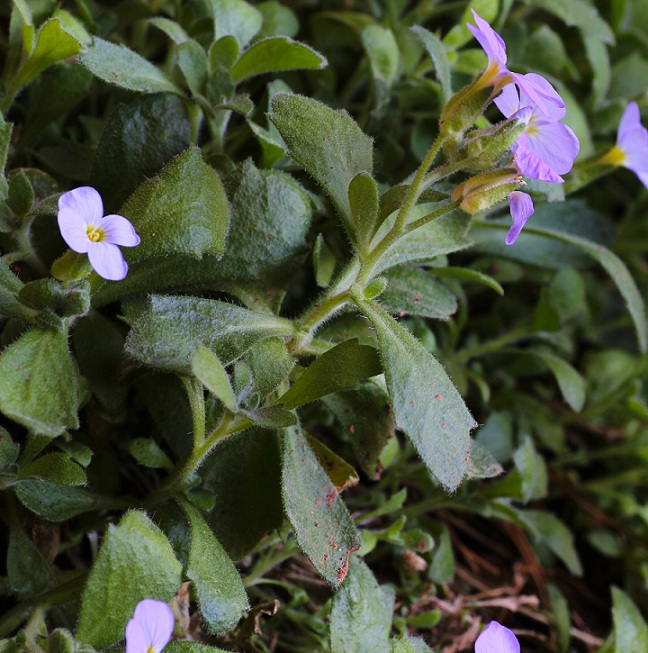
x=497, y=639
x=521, y=206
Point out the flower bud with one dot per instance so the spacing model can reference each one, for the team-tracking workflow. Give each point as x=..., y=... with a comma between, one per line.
x=461, y=112
x=484, y=191
x=485, y=147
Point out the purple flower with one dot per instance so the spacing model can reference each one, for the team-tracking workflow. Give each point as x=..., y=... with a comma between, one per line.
x=499, y=75
x=86, y=231
x=521, y=206
x=631, y=149
x=496, y=638
x=547, y=148
x=150, y=629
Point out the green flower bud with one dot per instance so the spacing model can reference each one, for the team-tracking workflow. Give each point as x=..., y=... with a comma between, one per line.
x=485, y=147
x=484, y=191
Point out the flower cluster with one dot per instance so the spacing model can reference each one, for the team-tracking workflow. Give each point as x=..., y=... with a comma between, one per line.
x=547, y=148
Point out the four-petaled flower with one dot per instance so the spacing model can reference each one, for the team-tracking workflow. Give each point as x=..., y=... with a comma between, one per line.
x=498, y=75
x=547, y=148
x=496, y=638
x=631, y=149
x=85, y=229
x=150, y=629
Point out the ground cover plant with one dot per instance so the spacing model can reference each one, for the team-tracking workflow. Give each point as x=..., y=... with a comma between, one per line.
x=322, y=326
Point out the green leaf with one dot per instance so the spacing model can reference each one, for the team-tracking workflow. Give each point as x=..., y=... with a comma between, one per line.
x=630, y=628
x=341, y=474
x=270, y=364
x=211, y=373
x=53, y=44
x=410, y=645
x=185, y=646
x=55, y=468
x=244, y=475
x=169, y=331
x=366, y=417
x=9, y=450
x=612, y=264
x=340, y=368
x=363, y=201
x=192, y=61
x=328, y=144
x=278, y=20
x=571, y=383
x=184, y=210
x=578, y=13
x=381, y=48
x=38, y=382
x=219, y=589
x=174, y=31
x=323, y=526
x=324, y=262
x=414, y=291
x=441, y=236
x=439, y=55
x=139, y=139
x=147, y=452
x=533, y=471
x=467, y=275
x=276, y=54
x=135, y=562
x=361, y=613
x=53, y=502
x=236, y=18
x=27, y=570
x=6, y=128
x=426, y=404
x=119, y=66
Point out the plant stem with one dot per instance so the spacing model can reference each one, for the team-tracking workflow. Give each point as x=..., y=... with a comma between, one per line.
x=196, y=396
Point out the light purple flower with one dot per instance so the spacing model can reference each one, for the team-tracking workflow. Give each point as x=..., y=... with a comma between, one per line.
x=521, y=206
x=499, y=75
x=547, y=148
x=87, y=231
x=496, y=638
x=150, y=629
x=632, y=143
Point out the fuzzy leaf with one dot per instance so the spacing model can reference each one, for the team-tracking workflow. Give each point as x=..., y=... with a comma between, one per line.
x=135, y=562
x=323, y=526
x=426, y=404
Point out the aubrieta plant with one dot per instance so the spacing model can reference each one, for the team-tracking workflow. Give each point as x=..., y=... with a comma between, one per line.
x=256, y=257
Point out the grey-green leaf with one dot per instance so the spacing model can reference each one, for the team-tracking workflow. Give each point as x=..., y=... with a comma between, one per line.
x=363, y=200
x=426, y=404
x=55, y=468
x=340, y=368
x=135, y=562
x=211, y=373
x=361, y=613
x=382, y=49
x=27, y=570
x=169, y=331
x=414, y=291
x=328, y=144
x=38, y=383
x=118, y=65
x=276, y=54
x=184, y=210
x=630, y=627
x=54, y=502
x=235, y=18
x=219, y=589
x=323, y=526
x=439, y=55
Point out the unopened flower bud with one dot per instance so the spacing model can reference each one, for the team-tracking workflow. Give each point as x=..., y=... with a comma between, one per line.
x=485, y=147
x=461, y=112
x=484, y=191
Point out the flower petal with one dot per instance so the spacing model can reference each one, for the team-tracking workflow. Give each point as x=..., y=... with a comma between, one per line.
x=489, y=39
x=107, y=261
x=521, y=206
x=508, y=101
x=136, y=638
x=553, y=102
x=78, y=208
x=119, y=231
x=532, y=166
x=536, y=95
x=497, y=639
x=630, y=120
x=157, y=621
x=554, y=143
